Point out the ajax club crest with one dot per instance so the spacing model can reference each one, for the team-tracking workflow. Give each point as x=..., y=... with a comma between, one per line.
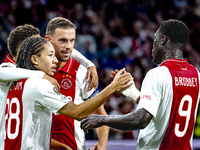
x=66, y=83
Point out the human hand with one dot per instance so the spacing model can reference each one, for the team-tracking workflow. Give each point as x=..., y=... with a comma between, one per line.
x=122, y=80
x=92, y=121
x=98, y=146
x=52, y=80
x=113, y=73
x=91, y=71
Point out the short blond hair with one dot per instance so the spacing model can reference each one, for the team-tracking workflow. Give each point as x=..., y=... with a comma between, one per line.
x=58, y=22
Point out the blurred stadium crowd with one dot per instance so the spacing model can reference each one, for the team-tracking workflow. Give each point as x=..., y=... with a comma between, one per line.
x=113, y=34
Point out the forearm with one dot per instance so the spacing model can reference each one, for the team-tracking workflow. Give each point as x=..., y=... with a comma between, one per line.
x=78, y=57
x=55, y=145
x=132, y=121
x=95, y=102
x=82, y=110
x=103, y=131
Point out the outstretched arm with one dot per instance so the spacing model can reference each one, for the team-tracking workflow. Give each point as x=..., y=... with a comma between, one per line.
x=138, y=119
x=84, y=109
x=92, y=72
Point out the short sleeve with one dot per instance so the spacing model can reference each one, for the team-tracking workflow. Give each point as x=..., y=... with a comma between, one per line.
x=78, y=57
x=48, y=96
x=81, y=76
x=151, y=92
x=8, y=73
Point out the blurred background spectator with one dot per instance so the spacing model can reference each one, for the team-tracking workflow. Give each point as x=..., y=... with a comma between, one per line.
x=111, y=33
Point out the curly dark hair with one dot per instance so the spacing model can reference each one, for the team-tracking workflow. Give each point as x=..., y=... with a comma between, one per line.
x=58, y=22
x=30, y=46
x=18, y=35
x=176, y=30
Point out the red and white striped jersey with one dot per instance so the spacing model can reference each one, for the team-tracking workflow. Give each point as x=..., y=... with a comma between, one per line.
x=13, y=74
x=9, y=72
x=72, y=81
x=170, y=93
x=28, y=115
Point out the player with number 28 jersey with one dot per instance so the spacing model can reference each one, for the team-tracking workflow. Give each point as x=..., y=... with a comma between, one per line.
x=28, y=115
x=173, y=105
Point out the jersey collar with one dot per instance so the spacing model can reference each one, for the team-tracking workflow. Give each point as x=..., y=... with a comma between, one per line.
x=67, y=66
x=173, y=60
x=10, y=60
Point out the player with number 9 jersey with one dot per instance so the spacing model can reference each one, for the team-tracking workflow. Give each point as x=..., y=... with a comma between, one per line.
x=170, y=93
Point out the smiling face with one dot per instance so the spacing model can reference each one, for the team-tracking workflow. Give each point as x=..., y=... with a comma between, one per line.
x=63, y=41
x=46, y=61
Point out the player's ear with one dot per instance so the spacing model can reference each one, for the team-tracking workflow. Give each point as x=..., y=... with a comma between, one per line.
x=34, y=59
x=164, y=39
x=48, y=38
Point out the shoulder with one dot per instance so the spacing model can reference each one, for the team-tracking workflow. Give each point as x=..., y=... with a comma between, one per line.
x=37, y=83
x=82, y=69
x=157, y=76
x=158, y=71
x=5, y=65
x=81, y=73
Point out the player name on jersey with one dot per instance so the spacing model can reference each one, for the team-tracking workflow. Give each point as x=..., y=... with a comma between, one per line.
x=184, y=81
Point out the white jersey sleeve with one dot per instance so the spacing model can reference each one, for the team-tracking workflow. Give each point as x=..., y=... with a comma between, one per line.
x=79, y=58
x=47, y=95
x=81, y=75
x=9, y=72
x=151, y=91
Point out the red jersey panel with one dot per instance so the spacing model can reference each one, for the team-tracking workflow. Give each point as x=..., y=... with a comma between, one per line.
x=14, y=117
x=63, y=126
x=185, y=97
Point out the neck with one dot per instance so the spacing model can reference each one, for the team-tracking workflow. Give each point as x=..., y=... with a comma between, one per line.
x=178, y=54
x=60, y=64
x=15, y=58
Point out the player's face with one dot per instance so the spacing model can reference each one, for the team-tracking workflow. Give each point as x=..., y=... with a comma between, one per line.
x=156, y=51
x=47, y=61
x=63, y=42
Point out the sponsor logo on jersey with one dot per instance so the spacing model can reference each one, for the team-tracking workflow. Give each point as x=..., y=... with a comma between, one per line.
x=5, y=66
x=56, y=90
x=147, y=97
x=66, y=83
x=63, y=97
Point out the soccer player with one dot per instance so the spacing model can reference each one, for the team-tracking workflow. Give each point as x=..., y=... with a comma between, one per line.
x=71, y=76
x=20, y=33
x=169, y=96
x=30, y=102
x=9, y=72
x=15, y=39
